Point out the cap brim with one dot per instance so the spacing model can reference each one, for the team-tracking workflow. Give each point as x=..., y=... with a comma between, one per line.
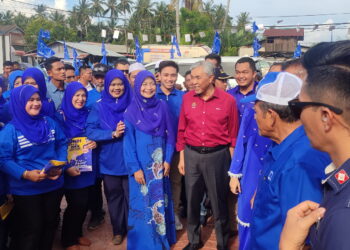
x=251, y=98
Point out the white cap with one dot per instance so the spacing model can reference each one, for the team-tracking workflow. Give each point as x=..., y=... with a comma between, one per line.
x=136, y=66
x=277, y=88
x=156, y=66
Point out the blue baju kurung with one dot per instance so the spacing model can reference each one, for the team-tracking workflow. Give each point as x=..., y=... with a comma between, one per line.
x=246, y=164
x=151, y=216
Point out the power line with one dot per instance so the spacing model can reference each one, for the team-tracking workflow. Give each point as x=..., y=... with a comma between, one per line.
x=306, y=15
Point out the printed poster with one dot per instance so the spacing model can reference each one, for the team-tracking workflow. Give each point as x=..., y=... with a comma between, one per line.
x=78, y=155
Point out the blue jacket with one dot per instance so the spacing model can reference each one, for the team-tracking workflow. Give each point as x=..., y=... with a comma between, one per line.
x=111, y=160
x=85, y=179
x=14, y=159
x=93, y=97
x=5, y=115
x=292, y=173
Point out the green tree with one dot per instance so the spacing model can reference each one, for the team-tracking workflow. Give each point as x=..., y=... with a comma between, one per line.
x=164, y=20
x=7, y=17
x=242, y=20
x=80, y=18
x=96, y=8
x=57, y=17
x=112, y=9
x=21, y=20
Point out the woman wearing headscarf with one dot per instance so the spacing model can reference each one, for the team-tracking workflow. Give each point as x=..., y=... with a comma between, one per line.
x=149, y=142
x=5, y=115
x=36, y=78
x=105, y=125
x=15, y=80
x=27, y=144
x=72, y=117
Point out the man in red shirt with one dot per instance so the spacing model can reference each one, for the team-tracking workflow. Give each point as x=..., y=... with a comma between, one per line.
x=207, y=132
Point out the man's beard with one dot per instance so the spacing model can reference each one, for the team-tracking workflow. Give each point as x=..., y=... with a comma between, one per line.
x=99, y=89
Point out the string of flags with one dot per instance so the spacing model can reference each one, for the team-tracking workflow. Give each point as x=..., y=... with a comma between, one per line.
x=216, y=44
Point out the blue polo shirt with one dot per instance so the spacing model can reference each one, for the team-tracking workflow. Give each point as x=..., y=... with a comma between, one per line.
x=292, y=173
x=236, y=93
x=332, y=232
x=174, y=100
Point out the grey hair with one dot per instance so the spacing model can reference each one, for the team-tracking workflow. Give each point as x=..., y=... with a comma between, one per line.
x=208, y=67
x=284, y=112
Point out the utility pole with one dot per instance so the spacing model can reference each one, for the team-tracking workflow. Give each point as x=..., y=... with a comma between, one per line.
x=177, y=8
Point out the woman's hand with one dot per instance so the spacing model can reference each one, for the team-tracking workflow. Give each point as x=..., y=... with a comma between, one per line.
x=73, y=171
x=235, y=185
x=34, y=175
x=54, y=174
x=166, y=168
x=120, y=129
x=139, y=177
x=91, y=145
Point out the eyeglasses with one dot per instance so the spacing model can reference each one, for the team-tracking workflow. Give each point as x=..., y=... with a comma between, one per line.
x=297, y=107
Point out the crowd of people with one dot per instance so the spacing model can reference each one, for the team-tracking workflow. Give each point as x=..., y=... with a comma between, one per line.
x=267, y=160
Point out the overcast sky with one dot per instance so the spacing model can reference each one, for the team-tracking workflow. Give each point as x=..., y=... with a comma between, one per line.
x=259, y=8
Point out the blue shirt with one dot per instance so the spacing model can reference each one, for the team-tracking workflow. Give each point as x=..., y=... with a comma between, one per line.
x=174, y=100
x=55, y=94
x=236, y=93
x=292, y=173
x=111, y=160
x=5, y=115
x=332, y=231
x=17, y=155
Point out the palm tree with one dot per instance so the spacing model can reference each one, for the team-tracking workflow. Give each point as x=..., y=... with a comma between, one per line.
x=40, y=10
x=81, y=17
x=96, y=8
x=144, y=11
x=111, y=8
x=164, y=18
x=57, y=17
x=242, y=20
x=21, y=20
x=124, y=6
x=7, y=17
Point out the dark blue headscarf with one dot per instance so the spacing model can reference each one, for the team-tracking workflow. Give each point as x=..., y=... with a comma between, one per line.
x=149, y=115
x=48, y=108
x=34, y=128
x=74, y=119
x=112, y=109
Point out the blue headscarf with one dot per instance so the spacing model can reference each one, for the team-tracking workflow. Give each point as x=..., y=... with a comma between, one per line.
x=2, y=99
x=74, y=119
x=34, y=128
x=35, y=73
x=12, y=78
x=149, y=115
x=112, y=109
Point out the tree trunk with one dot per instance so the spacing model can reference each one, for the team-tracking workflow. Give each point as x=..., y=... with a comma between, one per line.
x=226, y=14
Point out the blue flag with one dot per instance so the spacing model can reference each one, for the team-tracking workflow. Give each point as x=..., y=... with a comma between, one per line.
x=138, y=51
x=256, y=47
x=76, y=62
x=104, y=54
x=297, y=51
x=66, y=54
x=176, y=44
x=216, y=44
x=42, y=49
x=255, y=27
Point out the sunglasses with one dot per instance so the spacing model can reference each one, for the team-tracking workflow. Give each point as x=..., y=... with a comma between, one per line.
x=125, y=71
x=297, y=107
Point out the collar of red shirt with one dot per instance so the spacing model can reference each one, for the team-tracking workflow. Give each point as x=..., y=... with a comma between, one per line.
x=215, y=95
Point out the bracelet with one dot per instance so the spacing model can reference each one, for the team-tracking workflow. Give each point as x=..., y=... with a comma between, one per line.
x=25, y=174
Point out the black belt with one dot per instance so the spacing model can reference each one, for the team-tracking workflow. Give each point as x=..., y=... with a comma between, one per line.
x=207, y=150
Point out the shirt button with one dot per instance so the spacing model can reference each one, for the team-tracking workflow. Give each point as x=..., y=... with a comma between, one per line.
x=256, y=145
x=203, y=112
x=202, y=133
x=203, y=123
x=261, y=159
x=202, y=143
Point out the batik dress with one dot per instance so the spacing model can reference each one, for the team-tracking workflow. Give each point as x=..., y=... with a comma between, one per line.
x=151, y=223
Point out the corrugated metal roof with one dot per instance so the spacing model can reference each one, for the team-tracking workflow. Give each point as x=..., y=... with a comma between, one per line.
x=92, y=49
x=284, y=32
x=4, y=29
